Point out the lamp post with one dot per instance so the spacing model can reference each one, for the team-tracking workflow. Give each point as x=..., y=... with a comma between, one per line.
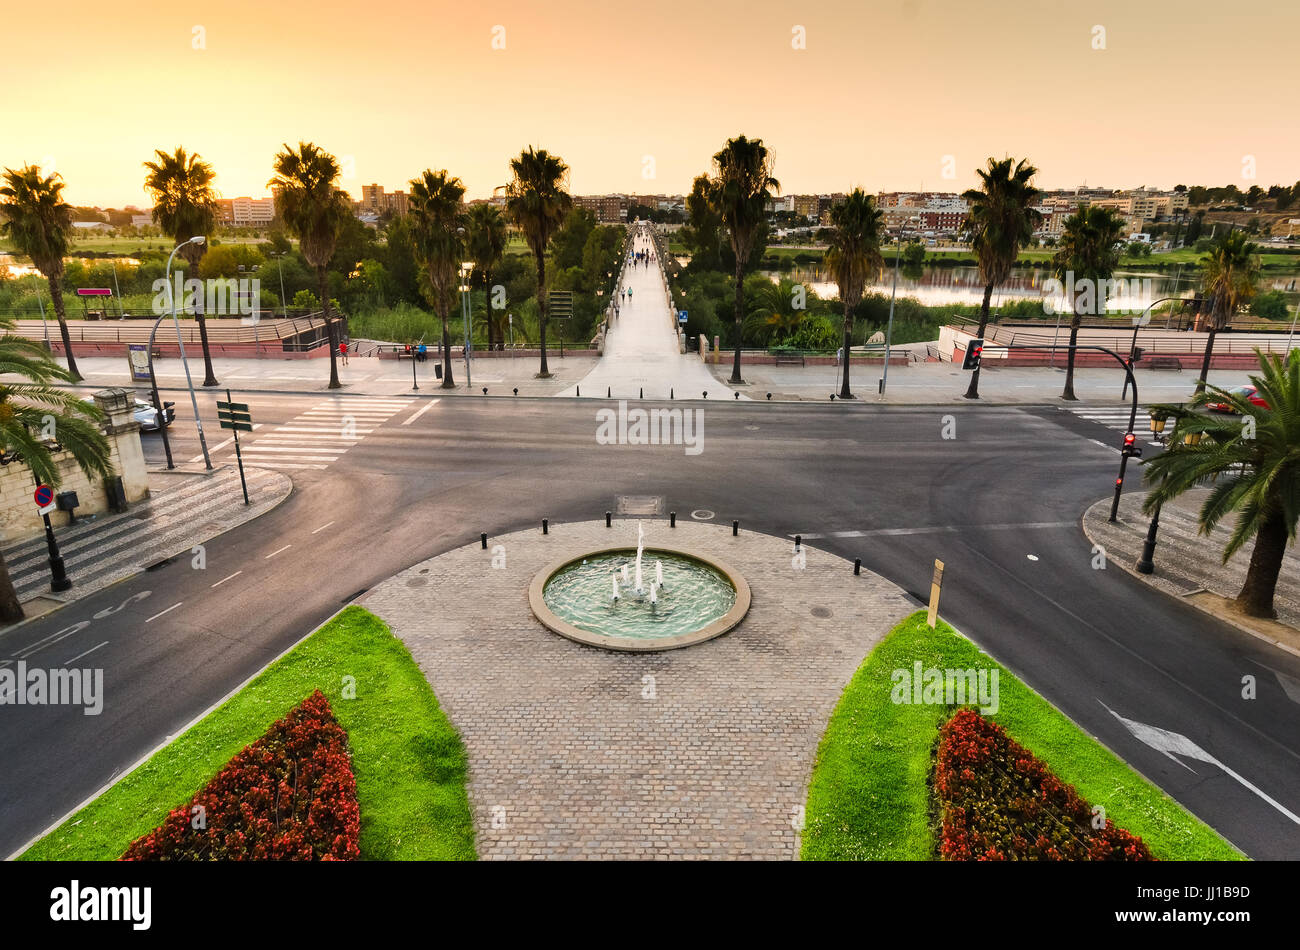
x=1137, y=325
x=157, y=403
x=889, y=328
x=466, y=268
x=279, y=268
x=194, y=402
x=45, y=326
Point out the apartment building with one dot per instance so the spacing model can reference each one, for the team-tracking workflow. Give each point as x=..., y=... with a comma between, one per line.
x=375, y=201
x=245, y=212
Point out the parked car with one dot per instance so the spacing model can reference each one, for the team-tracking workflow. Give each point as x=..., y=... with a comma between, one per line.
x=147, y=416
x=1245, y=392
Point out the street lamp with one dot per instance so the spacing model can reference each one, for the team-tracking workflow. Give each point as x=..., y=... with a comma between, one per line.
x=889, y=329
x=1137, y=325
x=194, y=402
x=466, y=267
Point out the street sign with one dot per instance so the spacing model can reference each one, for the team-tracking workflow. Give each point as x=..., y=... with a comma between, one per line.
x=44, y=496
x=94, y=292
x=681, y=316
x=233, y=406
x=236, y=417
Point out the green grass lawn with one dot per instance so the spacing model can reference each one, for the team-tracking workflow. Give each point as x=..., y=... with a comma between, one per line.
x=408, y=758
x=869, y=796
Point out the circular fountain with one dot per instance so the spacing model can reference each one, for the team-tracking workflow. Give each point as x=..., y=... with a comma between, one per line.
x=639, y=600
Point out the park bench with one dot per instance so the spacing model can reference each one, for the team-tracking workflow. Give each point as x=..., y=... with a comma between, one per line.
x=789, y=359
x=1165, y=362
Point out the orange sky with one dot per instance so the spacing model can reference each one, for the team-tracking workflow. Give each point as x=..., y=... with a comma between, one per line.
x=1183, y=92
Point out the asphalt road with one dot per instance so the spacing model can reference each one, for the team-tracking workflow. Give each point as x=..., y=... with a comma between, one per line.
x=999, y=504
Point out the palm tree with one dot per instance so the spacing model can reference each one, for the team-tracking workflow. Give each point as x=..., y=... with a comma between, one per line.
x=1258, y=477
x=27, y=398
x=1229, y=277
x=772, y=314
x=486, y=246
x=1088, y=255
x=39, y=221
x=1002, y=219
x=435, y=217
x=314, y=209
x=184, y=207
x=739, y=188
x=537, y=201
x=853, y=254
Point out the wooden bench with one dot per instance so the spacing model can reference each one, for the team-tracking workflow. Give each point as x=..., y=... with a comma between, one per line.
x=789, y=359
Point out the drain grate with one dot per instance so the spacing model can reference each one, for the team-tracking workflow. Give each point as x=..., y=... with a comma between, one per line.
x=640, y=504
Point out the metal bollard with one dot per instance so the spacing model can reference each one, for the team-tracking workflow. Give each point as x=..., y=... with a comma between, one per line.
x=735, y=528
x=545, y=525
x=609, y=519
x=672, y=519
x=857, y=566
x=483, y=540
x=798, y=541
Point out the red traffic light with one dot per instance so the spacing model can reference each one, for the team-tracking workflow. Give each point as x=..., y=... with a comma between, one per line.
x=1129, y=438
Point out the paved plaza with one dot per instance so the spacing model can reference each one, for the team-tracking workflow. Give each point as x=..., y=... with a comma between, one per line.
x=577, y=752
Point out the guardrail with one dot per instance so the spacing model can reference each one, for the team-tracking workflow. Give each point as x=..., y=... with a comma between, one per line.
x=219, y=331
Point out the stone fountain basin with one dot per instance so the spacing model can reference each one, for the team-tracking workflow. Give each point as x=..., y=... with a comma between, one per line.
x=725, y=623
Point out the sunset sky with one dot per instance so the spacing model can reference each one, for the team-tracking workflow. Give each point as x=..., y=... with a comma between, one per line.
x=1183, y=91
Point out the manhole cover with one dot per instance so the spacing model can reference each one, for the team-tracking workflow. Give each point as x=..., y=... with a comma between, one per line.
x=821, y=611
x=701, y=514
x=417, y=581
x=640, y=504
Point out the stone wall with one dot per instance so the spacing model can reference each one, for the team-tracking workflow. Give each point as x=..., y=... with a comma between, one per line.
x=18, y=514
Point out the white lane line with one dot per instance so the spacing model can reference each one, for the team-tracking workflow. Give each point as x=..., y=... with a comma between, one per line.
x=80, y=655
x=313, y=449
x=167, y=611
x=277, y=551
x=419, y=412
x=221, y=445
x=230, y=578
x=321, y=431
x=937, y=529
x=323, y=527
x=266, y=457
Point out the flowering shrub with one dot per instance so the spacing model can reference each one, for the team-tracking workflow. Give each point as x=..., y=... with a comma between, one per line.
x=1000, y=803
x=290, y=796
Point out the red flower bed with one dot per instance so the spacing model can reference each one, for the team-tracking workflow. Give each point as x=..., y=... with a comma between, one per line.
x=290, y=796
x=1000, y=803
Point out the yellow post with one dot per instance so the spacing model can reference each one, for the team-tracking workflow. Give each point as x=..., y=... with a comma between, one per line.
x=935, y=583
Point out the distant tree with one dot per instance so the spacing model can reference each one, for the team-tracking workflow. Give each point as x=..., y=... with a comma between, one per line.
x=315, y=210
x=852, y=258
x=1002, y=219
x=436, y=225
x=39, y=222
x=739, y=189
x=1271, y=305
x=1088, y=256
x=538, y=201
x=702, y=233
x=1229, y=277
x=914, y=254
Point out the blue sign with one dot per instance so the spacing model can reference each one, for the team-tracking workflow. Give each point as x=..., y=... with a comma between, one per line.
x=138, y=355
x=681, y=316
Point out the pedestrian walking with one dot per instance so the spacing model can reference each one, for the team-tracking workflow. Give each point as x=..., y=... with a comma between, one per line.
x=423, y=353
x=343, y=352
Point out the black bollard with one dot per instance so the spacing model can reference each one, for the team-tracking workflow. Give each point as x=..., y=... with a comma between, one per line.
x=737, y=396
x=706, y=394
x=832, y=397
x=672, y=519
x=857, y=566
x=642, y=392
x=798, y=541
x=545, y=525
x=483, y=540
x=670, y=393
x=735, y=528
x=609, y=518
x=607, y=392
x=769, y=397
x=516, y=390
x=577, y=390
x=484, y=390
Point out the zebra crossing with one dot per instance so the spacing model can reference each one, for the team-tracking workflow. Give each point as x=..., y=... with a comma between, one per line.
x=1114, y=417
x=320, y=435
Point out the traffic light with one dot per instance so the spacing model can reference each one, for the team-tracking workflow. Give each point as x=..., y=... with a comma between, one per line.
x=973, y=350
x=1130, y=445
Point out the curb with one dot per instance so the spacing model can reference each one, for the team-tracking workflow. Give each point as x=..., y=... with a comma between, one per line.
x=1229, y=620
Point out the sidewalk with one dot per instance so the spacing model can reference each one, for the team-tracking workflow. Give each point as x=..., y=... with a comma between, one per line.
x=1190, y=566
x=185, y=507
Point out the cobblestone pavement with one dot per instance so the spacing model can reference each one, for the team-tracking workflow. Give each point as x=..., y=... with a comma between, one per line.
x=577, y=752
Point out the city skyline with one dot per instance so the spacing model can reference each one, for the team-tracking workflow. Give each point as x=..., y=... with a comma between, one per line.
x=936, y=89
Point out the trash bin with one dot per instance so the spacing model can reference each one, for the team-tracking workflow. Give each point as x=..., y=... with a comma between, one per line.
x=67, y=501
x=437, y=371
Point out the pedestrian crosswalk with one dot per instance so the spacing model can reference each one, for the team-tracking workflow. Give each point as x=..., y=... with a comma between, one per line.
x=1115, y=417
x=321, y=435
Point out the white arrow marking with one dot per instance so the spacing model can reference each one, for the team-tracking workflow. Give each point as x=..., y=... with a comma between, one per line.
x=1171, y=743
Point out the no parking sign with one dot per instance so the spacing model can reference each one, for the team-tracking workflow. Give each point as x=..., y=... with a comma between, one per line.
x=44, y=496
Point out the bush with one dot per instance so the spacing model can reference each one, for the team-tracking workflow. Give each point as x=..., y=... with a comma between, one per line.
x=1270, y=305
x=998, y=802
x=290, y=796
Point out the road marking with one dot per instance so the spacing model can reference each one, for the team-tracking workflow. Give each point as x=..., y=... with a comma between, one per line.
x=1167, y=743
x=52, y=639
x=322, y=431
x=937, y=529
x=80, y=655
x=277, y=551
x=419, y=412
x=323, y=527
x=313, y=450
x=276, y=463
x=167, y=611
x=221, y=445
x=230, y=578
x=264, y=457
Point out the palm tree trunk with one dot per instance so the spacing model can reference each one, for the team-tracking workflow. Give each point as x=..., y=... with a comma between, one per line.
x=56, y=295
x=1068, y=392
x=973, y=390
x=1256, y=597
x=845, y=392
x=447, y=381
x=11, y=611
x=543, y=372
x=1209, y=352
x=323, y=283
x=210, y=378
x=740, y=309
